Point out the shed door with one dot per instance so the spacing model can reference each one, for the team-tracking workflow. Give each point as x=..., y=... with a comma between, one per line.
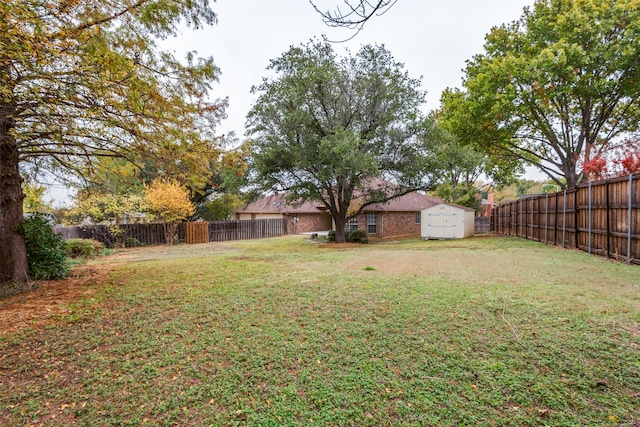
x=442, y=225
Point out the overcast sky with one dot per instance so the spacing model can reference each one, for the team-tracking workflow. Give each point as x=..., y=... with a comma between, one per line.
x=433, y=38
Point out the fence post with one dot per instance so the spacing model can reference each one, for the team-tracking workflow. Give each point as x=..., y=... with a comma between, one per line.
x=630, y=219
x=564, y=218
x=555, y=219
x=546, y=219
x=606, y=190
x=492, y=219
x=589, y=217
x=532, y=206
x=575, y=218
x=511, y=219
x=520, y=218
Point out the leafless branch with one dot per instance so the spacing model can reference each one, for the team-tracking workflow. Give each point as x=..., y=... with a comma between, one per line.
x=355, y=13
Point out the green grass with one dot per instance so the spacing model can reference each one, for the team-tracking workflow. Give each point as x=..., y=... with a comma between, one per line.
x=286, y=332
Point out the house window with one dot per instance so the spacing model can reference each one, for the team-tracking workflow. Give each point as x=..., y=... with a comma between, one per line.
x=372, y=219
x=352, y=224
x=418, y=217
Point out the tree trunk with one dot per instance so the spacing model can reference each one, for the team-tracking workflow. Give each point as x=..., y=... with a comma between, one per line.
x=571, y=176
x=13, y=252
x=170, y=232
x=340, y=222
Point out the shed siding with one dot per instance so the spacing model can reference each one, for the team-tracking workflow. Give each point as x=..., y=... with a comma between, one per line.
x=445, y=221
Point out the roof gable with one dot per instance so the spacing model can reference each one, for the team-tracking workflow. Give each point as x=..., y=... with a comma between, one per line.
x=276, y=203
x=411, y=202
x=464, y=208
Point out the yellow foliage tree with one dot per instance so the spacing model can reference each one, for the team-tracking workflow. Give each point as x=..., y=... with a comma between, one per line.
x=168, y=202
x=34, y=199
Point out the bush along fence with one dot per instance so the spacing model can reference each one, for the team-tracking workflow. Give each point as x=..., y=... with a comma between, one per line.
x=189, y=232
x=601, y=217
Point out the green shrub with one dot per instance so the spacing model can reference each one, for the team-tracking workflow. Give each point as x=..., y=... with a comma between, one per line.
x=357, y=236
x=84, y=248
x=353, y=236
x=131, y=242
x=45, y=249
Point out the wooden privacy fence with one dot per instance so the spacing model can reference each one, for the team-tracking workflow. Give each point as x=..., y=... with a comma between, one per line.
x=220, y=231
x=126, y=234
x=482, y=224
x=196, y=232
x=601, y=217
x=189, y=232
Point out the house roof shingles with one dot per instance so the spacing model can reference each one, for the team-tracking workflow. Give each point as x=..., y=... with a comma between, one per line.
x=275, y=203
x=411, y=202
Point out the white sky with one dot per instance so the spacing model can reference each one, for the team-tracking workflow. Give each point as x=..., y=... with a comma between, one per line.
x=433, y=38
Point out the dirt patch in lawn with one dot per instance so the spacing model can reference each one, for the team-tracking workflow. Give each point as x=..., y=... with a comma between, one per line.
x=50, y=300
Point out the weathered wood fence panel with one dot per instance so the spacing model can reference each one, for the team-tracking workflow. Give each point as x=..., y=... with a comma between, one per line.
x=601, y=217
x=143, y=234
x=482, y=224
x=95, y=232
x=154, y=234
x=196, y=232
x=220, y=231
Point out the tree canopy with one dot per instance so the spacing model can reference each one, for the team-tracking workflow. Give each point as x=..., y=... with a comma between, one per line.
x=325, y=128
x=168, y=202
x=555, y=88
x=80, y=80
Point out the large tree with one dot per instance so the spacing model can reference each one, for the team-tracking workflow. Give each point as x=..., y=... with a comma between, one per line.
x=333, y=130
x=79, y=80
x=556, y=87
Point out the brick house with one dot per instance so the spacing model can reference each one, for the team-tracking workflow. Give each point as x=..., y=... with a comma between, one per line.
x=397, y=217
x=305, y=218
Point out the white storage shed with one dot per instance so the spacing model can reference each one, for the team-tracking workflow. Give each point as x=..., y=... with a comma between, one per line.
x=447, y=221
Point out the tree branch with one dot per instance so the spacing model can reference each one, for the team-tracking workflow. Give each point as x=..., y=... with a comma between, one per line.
x=356, y=15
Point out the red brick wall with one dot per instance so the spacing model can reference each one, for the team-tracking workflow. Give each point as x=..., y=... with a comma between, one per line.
x=391, y=224
x=306, y=223
x=398, y=224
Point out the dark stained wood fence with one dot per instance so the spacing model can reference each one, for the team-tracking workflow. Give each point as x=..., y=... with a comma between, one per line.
x=601, y=217
x=482, y=224
x=220, y=231
x=153, y=234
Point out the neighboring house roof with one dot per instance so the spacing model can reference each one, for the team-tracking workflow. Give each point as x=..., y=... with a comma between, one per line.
x=275, y=203
x=411, y=202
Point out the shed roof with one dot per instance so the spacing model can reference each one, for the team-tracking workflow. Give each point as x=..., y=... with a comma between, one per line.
x=464, y=208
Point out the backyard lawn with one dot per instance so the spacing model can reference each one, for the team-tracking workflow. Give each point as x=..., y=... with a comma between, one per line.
x=288, y=332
